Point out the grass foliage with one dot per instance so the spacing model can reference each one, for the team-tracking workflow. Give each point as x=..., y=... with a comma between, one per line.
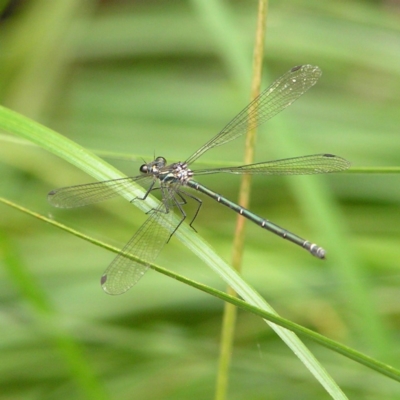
x=134, y=79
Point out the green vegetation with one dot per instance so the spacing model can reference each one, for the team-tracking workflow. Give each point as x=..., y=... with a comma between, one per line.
x=130, y=80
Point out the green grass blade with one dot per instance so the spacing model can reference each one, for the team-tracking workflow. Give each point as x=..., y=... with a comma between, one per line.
x=68, y=150
x=45, y=315
x=37, y=297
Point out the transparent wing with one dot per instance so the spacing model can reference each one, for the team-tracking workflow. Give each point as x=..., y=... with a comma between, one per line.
x=89, y=193
x=145, y=245
x=283, y=92
x=305, y=165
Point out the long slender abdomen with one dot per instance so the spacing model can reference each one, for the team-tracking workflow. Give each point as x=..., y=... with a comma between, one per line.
x=315, y=250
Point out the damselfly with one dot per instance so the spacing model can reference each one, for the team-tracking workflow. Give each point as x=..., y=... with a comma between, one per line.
x=173, y=179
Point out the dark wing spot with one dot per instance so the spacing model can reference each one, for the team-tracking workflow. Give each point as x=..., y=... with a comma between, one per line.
x=296, y=68
x=103, y=279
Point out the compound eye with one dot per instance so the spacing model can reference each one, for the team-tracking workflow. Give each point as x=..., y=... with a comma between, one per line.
x=144, y=169
x=161, y=160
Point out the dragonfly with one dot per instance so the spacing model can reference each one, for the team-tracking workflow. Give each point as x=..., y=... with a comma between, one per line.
x=174, y=180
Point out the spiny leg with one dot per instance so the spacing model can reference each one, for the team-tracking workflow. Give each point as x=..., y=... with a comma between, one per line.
x=199, y=201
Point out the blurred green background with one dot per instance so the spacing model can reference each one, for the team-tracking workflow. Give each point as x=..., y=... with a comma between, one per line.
x=145, y=78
